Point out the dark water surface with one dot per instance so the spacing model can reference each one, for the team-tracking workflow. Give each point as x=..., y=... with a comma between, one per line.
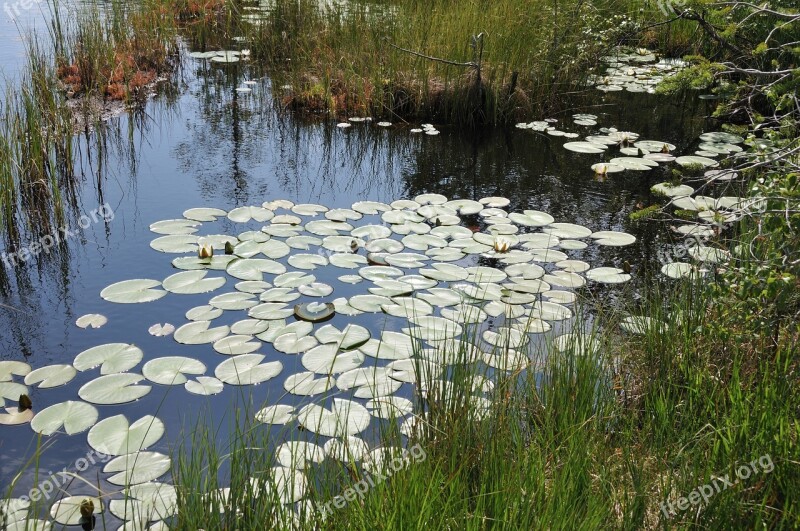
x=215, y=147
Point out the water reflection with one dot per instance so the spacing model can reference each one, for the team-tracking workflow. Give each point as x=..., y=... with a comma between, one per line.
x=216, y=146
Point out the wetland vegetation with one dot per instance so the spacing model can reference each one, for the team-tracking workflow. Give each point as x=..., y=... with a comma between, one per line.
x=498, y=353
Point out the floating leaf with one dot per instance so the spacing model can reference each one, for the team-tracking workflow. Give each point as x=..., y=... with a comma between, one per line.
x=111, y=358
x=254, y=268
x=160, y=330
x=91, y=320
x=67, y=510
x=170, y=370
x=344, y=418
x=13, y=416
x=608, y=275
x=51, y=376
x=133, y=291
x=236, y=344
x=327, y=359
x=352, y=337
x=198, y=333
x=314, y=312
x=135, y=468
x=192, y=282
x=291, y=343
x=247, y=213
x=203, y=214
x=10, y=368
x=298, y=454
x=277, y=414
x=114, y=389
x=204, y=386
x=306, y=384
x=116, y=436
x=247, y=370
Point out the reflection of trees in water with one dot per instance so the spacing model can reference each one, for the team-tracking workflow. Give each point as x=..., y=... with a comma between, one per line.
x=241, y=145
x=535, y=172
x=36, y=296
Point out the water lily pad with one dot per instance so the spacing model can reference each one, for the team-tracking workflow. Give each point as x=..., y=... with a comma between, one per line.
x=690, y=160
x=370, y=207
x=307, y=384
x=298, y=454
x=203, y=214
x=114, y=389
x=112, y=358
x=159, y=330
x=14, y=417
x=314, y=312
x=291, y=343
x=390, y=407
x=254, y=268
x=199, y=332
x=175, y=243
x=315, y=289
x=369, y=303
x=608, y=275
x=140, y=467
x=351, y=337
x=613, y=238
x=117, y=436
x=344, y=418
x=279, y=295
x=704, y=253
x=721, y=136
x=347, y=260
x=67, y=510
x=277, y=414
x=247, y=213
x=235, y=345
x=550, y=311
x=233, y=301
x=347, y=449
x=567, y=230
x=192, y=282
x=307, y=261
x=171, y=370
x=247, y=369
x=133, y=291
x=51, y=376
x=327, y=359
x=146, y=502
x=585, y=147
x=8, y=369
x=73, y=416
x=678, y=270
x=204, y=386
x=91, y=320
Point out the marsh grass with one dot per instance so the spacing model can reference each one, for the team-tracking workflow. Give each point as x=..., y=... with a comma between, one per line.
x=472, y=62
x=585, y=438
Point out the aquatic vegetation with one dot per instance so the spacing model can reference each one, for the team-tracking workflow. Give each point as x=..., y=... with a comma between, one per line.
x=483, y=274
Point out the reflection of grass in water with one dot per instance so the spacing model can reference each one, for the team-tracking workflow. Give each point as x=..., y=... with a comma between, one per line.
x=86, y=61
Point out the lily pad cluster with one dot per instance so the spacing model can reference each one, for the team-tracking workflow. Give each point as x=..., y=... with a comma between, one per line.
x=637, y=70
x=447, y=281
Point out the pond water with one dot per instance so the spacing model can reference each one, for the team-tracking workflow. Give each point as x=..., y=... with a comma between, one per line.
x=215, y=147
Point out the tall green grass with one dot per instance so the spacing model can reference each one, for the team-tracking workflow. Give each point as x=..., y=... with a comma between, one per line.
x=584, y=439
x=408, y=59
